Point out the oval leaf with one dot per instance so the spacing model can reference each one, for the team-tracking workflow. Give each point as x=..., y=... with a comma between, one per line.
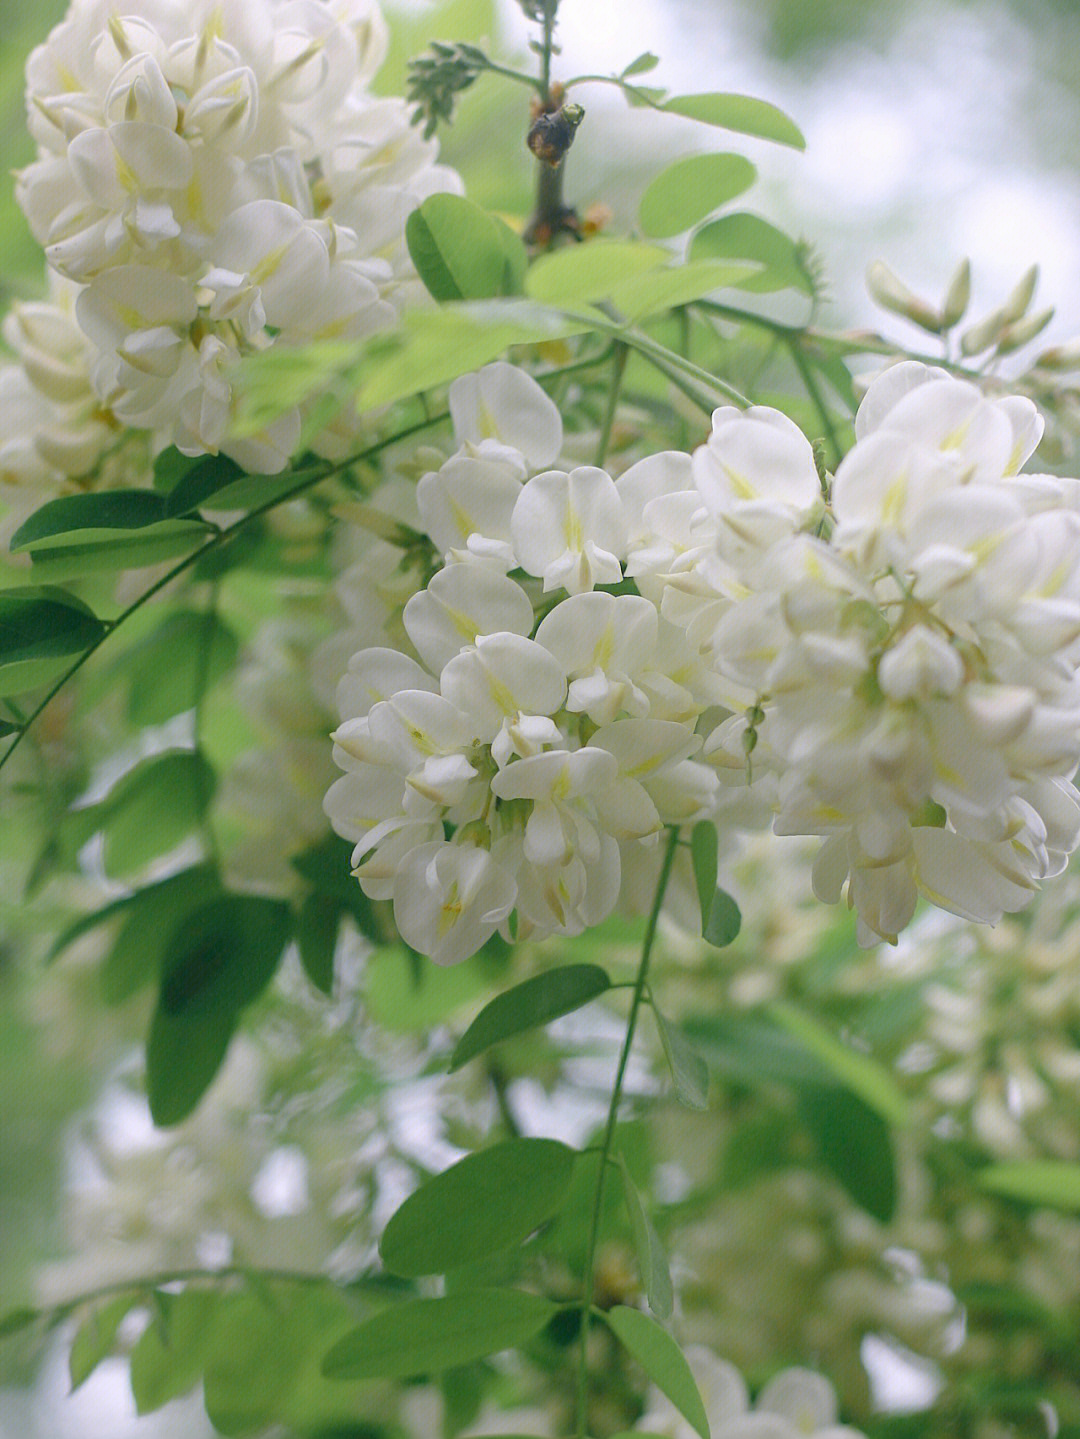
x=61, y=557
x=97, y=1336
x=486, y=1202
x=153, y=807
x=428, y=1335
x=853, y=1141
x=689, y=1072
x=663, y=1361
x=724, y=921
x=652, y=1261
x=535, y=1002
x=692, y=188
x=675, y=285
x=741, y=113
x=704, y=853
x=38, y=622
x=745, y=236
x=463, y=253
x=112, y=510
x=1050, y=1182
x=859, y=1072
x=591, y=271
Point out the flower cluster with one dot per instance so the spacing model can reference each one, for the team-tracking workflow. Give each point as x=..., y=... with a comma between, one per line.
x=546, y=724
x=911, y=676
x=891, y=667
x=215, y=177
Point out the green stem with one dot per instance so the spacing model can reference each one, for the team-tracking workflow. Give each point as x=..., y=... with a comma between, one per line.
x=813, y=389
x=618, y=369
x=609, y=1129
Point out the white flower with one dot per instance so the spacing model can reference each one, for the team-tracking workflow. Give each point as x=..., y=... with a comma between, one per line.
x=570, y=529
x=504, y=404
x=449, y=899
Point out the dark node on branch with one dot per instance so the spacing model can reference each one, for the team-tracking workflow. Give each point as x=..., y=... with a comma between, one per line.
x=554, y=124
x=552, y=132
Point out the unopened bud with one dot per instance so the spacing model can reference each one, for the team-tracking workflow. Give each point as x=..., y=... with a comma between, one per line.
x=985, y=334
x=957, y=296
x=1015, y=336
x=1061, y=357
x=1016, y=306
x=891, y=293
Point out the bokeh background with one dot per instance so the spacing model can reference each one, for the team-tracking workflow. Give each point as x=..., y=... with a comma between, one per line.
x=934, y=131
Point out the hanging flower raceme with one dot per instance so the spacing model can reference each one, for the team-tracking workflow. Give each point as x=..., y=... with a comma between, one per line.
x=913, y=674
x=218, y=179
x=894, y=665
x=542, y=727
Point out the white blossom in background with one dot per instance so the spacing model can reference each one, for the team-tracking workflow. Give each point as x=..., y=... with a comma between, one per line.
x=56, y=431
x=794, y=1404
x=215, y=178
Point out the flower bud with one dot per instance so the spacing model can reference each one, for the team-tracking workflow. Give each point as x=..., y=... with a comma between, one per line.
x=1015, y=336
x=1016, y=305
x=957, y=296
x=891, y=293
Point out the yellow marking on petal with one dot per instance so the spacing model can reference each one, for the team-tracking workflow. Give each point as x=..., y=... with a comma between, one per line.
x=450, y=912
x=893, y=500
x=744, y=490
x=269, y=263
x=501, y=694
x=605, y=648
x=462, y=518
x=462, y=623
x=489, y=430
x=124, y=173
x=67, y=79
x=955, y=438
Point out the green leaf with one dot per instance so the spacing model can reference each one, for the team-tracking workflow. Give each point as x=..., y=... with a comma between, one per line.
x=859, y=1072
x=744, y=236
x=317, y=927
x=249, y=492
x=485, y=1203
x=262, y=1370
x=153, y=807
x=63, y=556
x=39, y=622
x=97, y=1336
x=591, y=271
x=742, y=113
x=16, y=1320
x=704, y=850
x=172, y=668
x=150, y=918
x=528, y=1005
x=434, y=346
x=427, y=1335
x=651, y=1259
x=168, y=1359
x=1050, y=1182
x=692, y=188
x=219, y=958
x=7, y=728
x=198, y=482
x=223, y=955
x=642, y=65
x=663, y=1361
x=183, y=1054
x=110, y=510
x=854, y=1142
x=675, y=285
x=724, y=921
x=463, y=253
x=689, y=1072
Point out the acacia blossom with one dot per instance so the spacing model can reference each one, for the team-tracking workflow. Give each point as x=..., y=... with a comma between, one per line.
x=215, y=178
x=890, y=666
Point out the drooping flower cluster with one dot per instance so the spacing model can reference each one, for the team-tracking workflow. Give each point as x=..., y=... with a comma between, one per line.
x=912, y=674
x=545, y=725
x=215, y=177
x=897, y=662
